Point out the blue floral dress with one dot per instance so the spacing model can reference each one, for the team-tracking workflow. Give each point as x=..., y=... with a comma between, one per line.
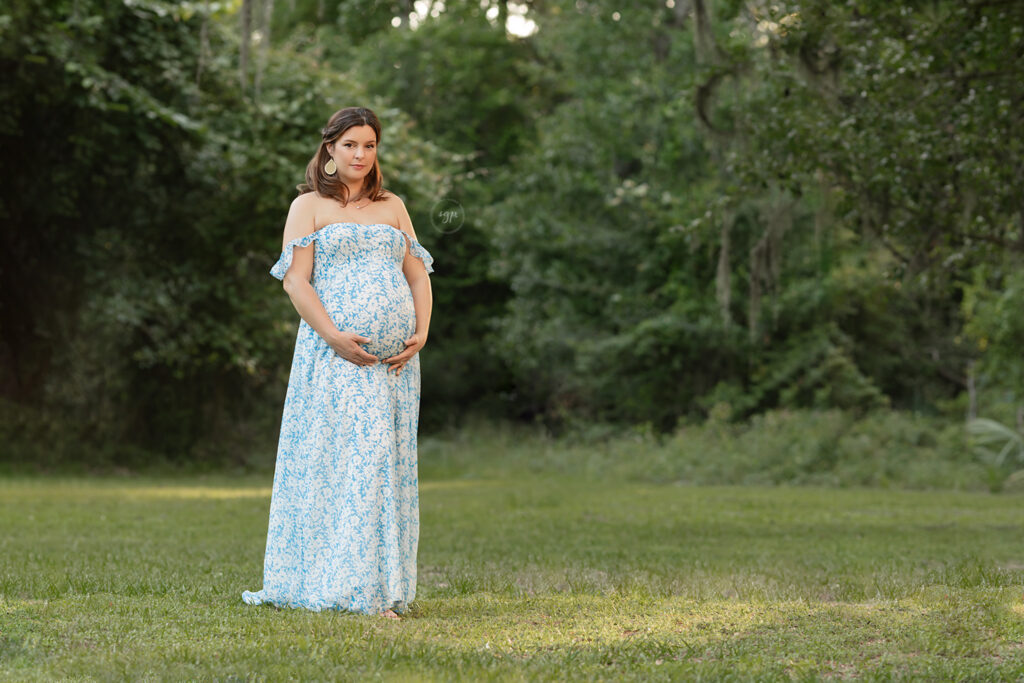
x=344, y=510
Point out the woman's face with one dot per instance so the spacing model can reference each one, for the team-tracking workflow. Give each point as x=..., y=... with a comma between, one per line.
x=354, y=151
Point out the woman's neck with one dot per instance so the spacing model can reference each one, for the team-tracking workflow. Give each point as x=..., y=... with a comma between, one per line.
x=354, y=189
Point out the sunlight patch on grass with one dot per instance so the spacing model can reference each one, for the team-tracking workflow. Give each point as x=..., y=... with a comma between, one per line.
x=186, y=492
x=458, y=484
x=69, y=491
x=518, y=626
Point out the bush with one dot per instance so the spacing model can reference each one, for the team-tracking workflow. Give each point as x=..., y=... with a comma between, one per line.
x=783, y=447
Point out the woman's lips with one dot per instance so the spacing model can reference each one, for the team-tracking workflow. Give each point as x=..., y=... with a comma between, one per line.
x=358, y=165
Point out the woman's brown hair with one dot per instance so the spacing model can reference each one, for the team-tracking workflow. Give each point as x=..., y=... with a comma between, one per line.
x=330, y=185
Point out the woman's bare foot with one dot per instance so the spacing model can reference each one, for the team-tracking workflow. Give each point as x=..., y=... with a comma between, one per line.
x=390, y=614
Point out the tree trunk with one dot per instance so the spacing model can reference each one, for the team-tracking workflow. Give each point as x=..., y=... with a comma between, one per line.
x=723, y=277
x=266, y=17
x=204, y=44
x=972, y=393
x=243, y=53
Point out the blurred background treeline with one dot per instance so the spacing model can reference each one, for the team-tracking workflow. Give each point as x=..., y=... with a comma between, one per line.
x=675, y=215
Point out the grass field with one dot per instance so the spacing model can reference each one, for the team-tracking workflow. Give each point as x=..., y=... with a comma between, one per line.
x=538, y=577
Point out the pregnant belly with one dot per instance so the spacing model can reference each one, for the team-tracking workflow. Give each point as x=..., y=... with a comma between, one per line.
x=384, y=312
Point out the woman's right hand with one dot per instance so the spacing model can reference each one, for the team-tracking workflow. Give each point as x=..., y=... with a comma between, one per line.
x=347, y=345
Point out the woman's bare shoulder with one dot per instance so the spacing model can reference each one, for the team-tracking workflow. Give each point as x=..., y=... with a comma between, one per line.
x=401, y=214
x=394, y=202
x=306, y=200
x=396, y=207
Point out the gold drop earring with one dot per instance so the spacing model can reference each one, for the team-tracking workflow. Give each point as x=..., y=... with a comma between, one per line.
x=330, y=168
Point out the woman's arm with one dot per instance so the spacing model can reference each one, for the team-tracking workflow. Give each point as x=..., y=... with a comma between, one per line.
x=301, y=222
x=422, y=298
x=416, y=274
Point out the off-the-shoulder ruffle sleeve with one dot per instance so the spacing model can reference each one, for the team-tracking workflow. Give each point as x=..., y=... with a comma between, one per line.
x=281, y=267
x=417, y=250
x=285, y=261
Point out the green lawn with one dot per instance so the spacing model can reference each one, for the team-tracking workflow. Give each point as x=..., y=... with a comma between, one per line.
x=522, y=577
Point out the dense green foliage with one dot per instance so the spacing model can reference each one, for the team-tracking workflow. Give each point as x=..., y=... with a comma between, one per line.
x=669, y=211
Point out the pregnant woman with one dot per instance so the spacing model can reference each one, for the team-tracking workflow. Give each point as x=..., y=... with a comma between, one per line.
x=344, y=512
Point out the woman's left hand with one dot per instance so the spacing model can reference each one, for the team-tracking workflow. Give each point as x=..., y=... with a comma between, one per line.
x=412, y=345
